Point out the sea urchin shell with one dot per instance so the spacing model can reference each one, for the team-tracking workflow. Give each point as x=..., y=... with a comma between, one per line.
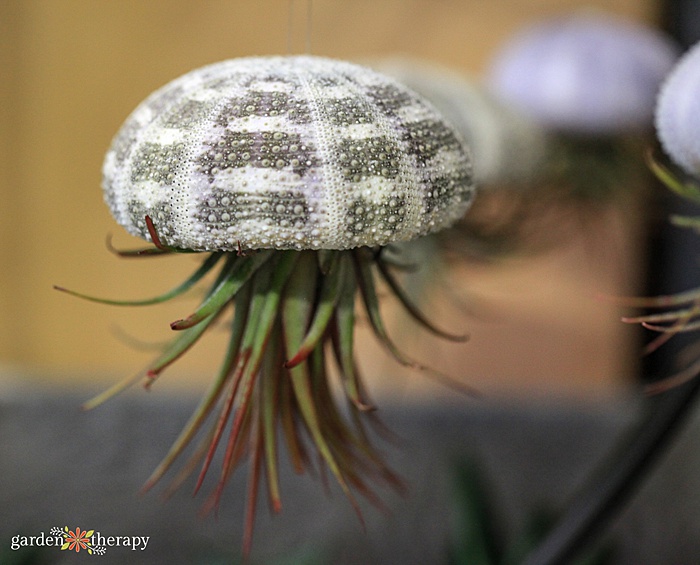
x=586, y=74
x=287, y=153
x=678, y=113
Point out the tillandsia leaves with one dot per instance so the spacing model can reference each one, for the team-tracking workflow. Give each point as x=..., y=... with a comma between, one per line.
x=291, y=311
x=685, y=188
x=180, y=289
x=680, y=313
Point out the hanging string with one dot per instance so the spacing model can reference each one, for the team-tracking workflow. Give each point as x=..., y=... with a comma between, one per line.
x=290, y=27
x=309, y=10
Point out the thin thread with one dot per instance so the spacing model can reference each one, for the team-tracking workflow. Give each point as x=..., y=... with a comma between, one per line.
x=290, y=27
x=309, y=10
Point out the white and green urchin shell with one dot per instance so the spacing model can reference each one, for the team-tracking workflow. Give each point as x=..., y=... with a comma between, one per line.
x=585, y=74
x=678, y=113
x=295, y=152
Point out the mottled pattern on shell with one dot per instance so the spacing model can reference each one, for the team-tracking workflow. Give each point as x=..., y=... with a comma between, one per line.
x=507, y=147
x=288, y=153
x=678, y=113
x=590, y=74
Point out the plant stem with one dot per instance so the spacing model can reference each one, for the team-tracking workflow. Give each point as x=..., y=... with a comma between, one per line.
x=612, y=486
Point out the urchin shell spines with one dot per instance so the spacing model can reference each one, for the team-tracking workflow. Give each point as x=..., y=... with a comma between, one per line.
x=287, y=153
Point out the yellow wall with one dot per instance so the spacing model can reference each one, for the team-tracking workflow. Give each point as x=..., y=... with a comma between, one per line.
x=71, y=72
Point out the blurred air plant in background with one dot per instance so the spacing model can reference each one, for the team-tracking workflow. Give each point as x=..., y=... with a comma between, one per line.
x=558, y=124
x=677, y=124
x=677, y=120
x=591, y=80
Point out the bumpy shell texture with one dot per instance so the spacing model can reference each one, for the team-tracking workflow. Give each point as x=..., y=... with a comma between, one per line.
x=293, y=152
x=678, y=113
x=585, y=74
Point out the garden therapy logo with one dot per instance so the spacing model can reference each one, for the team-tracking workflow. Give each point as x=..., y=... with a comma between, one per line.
x=77, y=539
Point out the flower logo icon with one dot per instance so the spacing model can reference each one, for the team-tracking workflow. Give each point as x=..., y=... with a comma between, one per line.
x=75, y=540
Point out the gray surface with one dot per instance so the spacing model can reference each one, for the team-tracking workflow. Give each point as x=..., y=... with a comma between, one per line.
x=60, y=466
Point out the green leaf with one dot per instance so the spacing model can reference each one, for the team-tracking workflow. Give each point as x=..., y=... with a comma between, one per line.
x=411, y=308
x=365, y=279
x=208, y=402
x=177, y=291
x=474, y=535
x=692, y=222
x=235, y=274
x=687, y=190
x=331, y=285
x=343, y=342
x=296, y=317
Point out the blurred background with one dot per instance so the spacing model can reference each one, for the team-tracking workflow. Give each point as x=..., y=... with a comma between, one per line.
x=541, y=323
x=72, y=70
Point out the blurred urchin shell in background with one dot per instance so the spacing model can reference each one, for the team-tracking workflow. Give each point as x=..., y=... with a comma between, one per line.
x=587, y=74
x=507, y=147
x=678, y=113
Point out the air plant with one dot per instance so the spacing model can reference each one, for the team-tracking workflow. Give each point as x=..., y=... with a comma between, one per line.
x=640, y=447
x=296, y=175
x=677, y=126
x=591, y=80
